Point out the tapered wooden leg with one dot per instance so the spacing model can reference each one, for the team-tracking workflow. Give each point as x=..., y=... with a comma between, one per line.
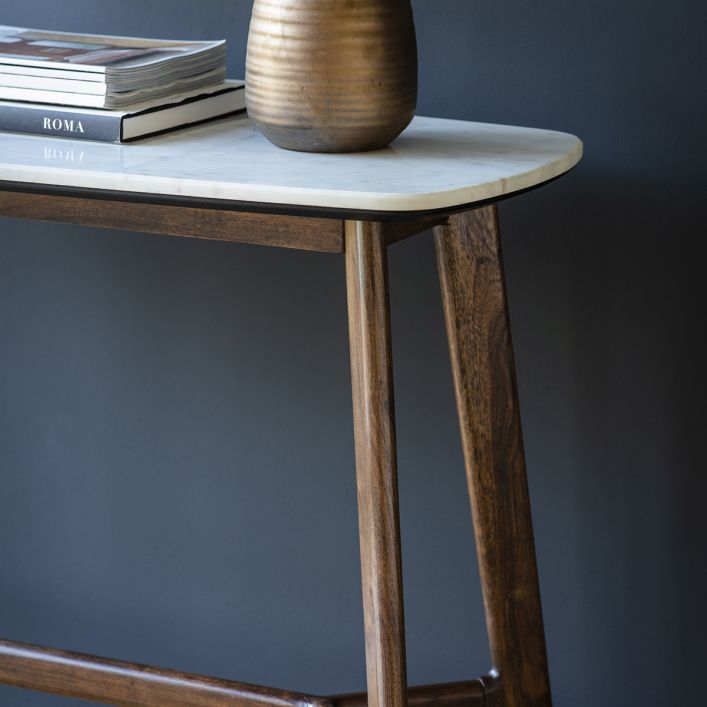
x=473, y=290
x=376, y=466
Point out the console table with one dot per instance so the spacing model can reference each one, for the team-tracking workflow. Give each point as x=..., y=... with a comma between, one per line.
x=223, y=181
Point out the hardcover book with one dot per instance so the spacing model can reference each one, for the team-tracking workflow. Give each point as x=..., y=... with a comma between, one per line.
x=140, y=120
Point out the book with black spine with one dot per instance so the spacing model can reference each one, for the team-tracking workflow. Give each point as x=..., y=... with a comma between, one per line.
x=141, y=120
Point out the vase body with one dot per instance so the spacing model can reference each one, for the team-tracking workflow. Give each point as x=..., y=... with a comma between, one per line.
x=331, y=75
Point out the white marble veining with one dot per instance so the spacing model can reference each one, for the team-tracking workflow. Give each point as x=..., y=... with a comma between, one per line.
x=434, y=164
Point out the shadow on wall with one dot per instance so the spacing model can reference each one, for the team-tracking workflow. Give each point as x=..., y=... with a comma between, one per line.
x=605, y=298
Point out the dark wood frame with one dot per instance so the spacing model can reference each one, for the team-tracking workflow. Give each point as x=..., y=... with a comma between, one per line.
x=473, y=291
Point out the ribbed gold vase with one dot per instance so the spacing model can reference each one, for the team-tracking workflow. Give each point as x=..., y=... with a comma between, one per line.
x=331, y=75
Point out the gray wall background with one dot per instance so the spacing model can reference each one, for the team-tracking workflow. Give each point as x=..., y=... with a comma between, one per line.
x=175, y=446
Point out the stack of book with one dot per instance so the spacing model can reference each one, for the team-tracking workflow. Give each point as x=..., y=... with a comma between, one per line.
x=112, y=89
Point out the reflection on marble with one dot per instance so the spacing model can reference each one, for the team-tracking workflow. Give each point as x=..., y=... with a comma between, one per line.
x=434, y=164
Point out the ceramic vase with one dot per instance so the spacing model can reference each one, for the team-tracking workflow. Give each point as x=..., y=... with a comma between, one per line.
x=331, y=75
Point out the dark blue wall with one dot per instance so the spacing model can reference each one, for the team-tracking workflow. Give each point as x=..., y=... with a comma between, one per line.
x=177, y=484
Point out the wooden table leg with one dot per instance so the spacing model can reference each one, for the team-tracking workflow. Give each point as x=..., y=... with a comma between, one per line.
x=376, y=466
x=473, y=290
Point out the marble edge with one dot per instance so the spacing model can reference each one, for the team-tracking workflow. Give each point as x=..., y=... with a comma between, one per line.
x=402, y=202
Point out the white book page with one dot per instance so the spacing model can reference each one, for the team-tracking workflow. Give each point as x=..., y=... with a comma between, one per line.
x=91, y=52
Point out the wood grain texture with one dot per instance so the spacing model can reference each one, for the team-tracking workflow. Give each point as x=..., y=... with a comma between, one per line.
x=462, y=694
x=376, y=465
x=331, y=75
x=301, y=232
x=474, y=295
x=396, y=231
x=131, y=685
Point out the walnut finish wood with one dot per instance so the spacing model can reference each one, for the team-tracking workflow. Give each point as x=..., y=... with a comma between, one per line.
x=325, y=235
x=302, y=232
x=376, y=466
x=462, y=694
x=131, y=685
x=473, y=291
x=400, y=230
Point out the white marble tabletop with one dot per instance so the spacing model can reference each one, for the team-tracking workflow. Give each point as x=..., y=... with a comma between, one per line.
x=434, y=164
